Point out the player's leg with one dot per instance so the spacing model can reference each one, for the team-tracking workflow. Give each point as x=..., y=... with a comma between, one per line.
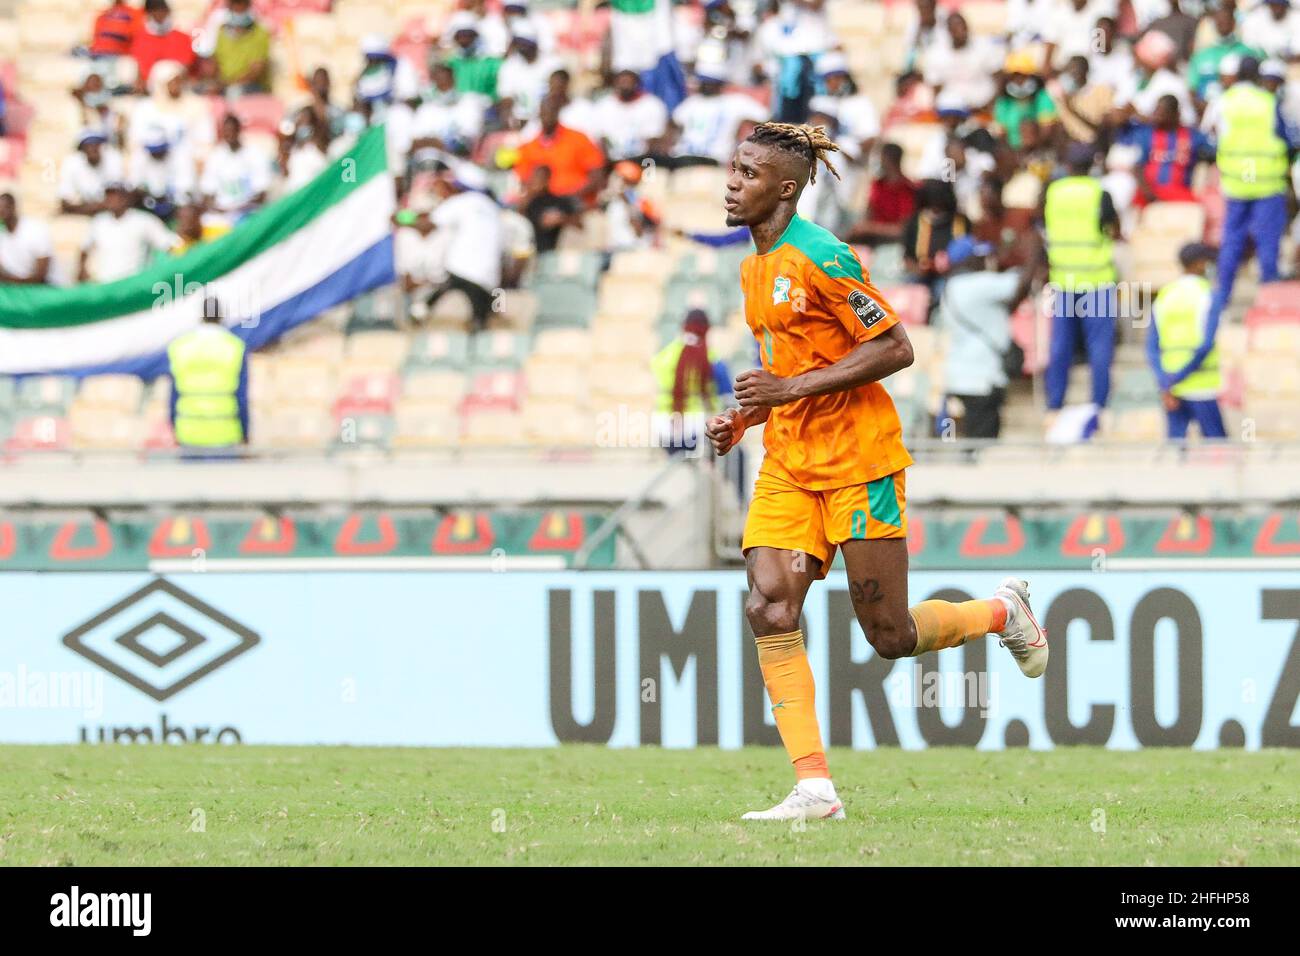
x=875, y=557
x=785, y=551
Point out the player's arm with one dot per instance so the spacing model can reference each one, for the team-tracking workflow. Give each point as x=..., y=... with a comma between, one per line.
x=870, y=361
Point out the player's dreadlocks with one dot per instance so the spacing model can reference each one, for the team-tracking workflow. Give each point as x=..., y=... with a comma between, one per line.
x=808, y=142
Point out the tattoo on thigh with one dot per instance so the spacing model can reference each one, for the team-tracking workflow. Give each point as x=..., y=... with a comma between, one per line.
x=866, y=591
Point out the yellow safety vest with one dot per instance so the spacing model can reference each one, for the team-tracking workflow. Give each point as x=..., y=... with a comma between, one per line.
x=1078, y=250
x=664, y=366
x=1180, y=317
x=1251, y=156
x=205, y=367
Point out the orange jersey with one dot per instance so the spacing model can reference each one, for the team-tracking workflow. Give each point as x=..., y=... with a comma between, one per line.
x=809, y=303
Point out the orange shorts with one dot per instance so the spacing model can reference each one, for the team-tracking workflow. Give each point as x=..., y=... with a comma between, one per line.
x=784, y=515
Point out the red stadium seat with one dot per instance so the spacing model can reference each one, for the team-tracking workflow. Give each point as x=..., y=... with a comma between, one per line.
x=1280, y=297
x=494, y=391
x=911, y=302
x=40, y=433
x=258, y=111
x=368, y=395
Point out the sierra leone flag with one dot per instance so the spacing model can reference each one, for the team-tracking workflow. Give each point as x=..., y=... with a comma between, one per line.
x=641, y=39
x=321, y=245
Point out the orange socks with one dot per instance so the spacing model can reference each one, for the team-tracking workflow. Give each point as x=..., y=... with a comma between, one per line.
x=941, y=624
x=789, y=681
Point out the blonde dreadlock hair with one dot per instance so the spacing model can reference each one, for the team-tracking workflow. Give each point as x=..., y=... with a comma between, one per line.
x=809, y=142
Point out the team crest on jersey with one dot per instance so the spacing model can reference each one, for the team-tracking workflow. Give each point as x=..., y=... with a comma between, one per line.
x=781, y=290
x=867, y=309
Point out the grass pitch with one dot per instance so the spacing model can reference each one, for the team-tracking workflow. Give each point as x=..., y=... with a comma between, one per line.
x=154, y=805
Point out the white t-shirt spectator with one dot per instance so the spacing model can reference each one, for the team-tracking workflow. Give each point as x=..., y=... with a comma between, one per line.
x=1163, y=82
x=234, y=177
x=710, y=123
x=967, y=73
x=1278, y=39
x=1115, y=69
x=1072, y=30
x=171, y=175
x=81, y=182
x=21, y=249
x=306, y=162
x=450, y=117
x=525, y=83
x=857, y=117
x=423, y=258
x=123, y=246
x=471, y=224
x=629, y=127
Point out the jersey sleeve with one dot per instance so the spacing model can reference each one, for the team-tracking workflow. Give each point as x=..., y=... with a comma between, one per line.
x=843, y=290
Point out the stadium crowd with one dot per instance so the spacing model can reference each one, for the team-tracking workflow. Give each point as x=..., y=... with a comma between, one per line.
x=515, y=135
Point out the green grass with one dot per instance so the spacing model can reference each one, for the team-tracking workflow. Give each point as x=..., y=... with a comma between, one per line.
x=585, y=805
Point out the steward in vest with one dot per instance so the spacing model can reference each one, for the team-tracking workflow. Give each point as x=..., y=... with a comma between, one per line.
x=1080, y=222
x=209, y=370
x=1181, y=349
x=1253, y=156
x=691, y=381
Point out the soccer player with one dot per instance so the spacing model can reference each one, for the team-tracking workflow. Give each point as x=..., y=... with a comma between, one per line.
x=833, y=476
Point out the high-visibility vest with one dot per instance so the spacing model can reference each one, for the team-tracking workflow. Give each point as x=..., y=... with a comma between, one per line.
x=205, y=367
x=1251, y=156
x=1078, y=250
x=664, y=366
x=1180, y=323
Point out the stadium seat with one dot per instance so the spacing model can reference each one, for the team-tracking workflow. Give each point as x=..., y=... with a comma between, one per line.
x=368, y=393
x=1271, y=375
x=364, y=430
x=518, y=309
x=1137, y=425
x=381, y=346
x=651, y=264
x=298, y=427
x=500, y=349
x=630, y=295
x=701, y=181
x=418, y=423
x=39, y=433
x=49, y=394
x=1273, y=419
x=121, y=392
x=569, y=343
x=556, y=378
x=492, y=427
x=435, y=385
x=303, y=382
x=611, y=341
x=439, y=349
x=103, y=428
x=563, y=304
x=1182, y=220
x=494, y=390
x=557, y=423
x=1275, y=338
x=569, y=264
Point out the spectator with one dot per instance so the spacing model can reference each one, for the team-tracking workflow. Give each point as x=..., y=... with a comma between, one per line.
x=958, y=132
x=121, y=240
x=191, y=230
x=576, y=112
x=975, y=312
x=26, y=253
x=161, y=178
x=576, y=163
x=236, y=176
x=158, y=39
x=242, y=56
x=1178, y=26
x=629, y=121
x=704, y=125
x=1005, y=230
x=693, y=384
x=419, y=252
x=1156, y=60
x=1181, y=349
x=548, y=212
x=520, y=22
x=855, y=115
x=789, y=41
x=731, y=30
x=891, y=202
x=1273, y=27
x=1068, y=29
x=449, y=120
x=1023, y=97
x=494, y=36
x=475, y=70
x=1082, y=105
x=84, y=173
x=1254, y=155
x=1169, y=154
x=925, y=35
x=308, y=154
x=1110, y=61
x=115, y=29
x=93, y=103
x=327, y=112
x=1080, y=222
x=928, y=232
x=384, y=78
x=630, y=219
x=964, y=67
x=1203, y=69
x=525, y=76
x=185, y=119
x=1273, y=77
x=469, y=219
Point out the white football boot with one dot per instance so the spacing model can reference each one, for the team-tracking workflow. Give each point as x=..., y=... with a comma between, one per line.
x=1023, y=636
x=811, y=799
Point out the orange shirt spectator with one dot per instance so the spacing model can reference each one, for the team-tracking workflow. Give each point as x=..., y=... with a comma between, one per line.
x=158, y=39
x=115, y=29
x=572, y=157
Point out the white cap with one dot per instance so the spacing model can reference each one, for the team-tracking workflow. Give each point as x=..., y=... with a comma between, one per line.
x=1274, y=68
x=461, y=20
x=832, y=62
x=375, y=44
x=469, y=176
x=524, y=30
x=1229, y=65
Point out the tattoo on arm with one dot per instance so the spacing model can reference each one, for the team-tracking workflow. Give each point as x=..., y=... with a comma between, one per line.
x=866, y=591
